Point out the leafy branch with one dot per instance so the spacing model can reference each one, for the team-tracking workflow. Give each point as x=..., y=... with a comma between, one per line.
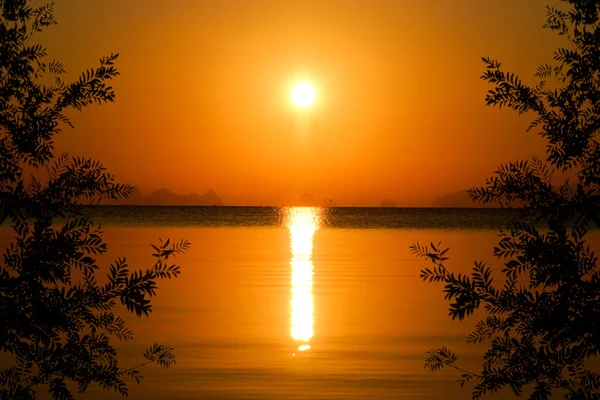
x=542, y=322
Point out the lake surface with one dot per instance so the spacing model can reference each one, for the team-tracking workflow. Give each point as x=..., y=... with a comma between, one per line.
x=299, y=303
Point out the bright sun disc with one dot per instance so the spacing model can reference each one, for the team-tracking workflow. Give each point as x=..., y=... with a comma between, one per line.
x=303, y=94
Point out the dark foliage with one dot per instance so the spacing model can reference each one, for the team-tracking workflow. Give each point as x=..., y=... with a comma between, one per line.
x=543, y=322
x=56, y=320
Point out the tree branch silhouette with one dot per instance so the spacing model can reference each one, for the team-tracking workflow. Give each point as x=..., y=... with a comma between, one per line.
x=58, y=322
x=543, y=324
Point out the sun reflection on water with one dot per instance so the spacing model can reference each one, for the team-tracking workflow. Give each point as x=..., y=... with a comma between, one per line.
x=302, y=223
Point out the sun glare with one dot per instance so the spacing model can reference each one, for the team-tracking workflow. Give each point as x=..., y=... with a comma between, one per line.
x=303, y=94
x=302, y=223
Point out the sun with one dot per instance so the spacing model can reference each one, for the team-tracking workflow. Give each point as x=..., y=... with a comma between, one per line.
x=303, y=94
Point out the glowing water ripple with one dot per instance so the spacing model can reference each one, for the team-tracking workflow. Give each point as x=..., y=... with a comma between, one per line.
x=302, y=223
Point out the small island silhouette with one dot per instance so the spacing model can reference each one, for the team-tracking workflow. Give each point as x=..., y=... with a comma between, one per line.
x=387, y=203
x=306, y=200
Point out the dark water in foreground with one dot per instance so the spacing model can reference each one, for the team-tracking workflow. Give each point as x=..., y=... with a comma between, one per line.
x=338, y=217
x=298, y=303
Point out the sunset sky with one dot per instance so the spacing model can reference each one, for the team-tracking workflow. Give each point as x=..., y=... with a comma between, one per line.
x=203, y=100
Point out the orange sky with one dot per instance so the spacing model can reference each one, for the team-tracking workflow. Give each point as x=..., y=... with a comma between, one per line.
x=203, y=96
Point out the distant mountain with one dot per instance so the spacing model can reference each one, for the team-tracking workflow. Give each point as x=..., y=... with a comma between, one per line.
x=164, y=197
x=459, y=200
x=136, y=197
x=306, y=200
x=387, y=203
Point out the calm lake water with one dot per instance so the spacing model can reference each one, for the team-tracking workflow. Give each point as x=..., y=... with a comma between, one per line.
x=299, y=303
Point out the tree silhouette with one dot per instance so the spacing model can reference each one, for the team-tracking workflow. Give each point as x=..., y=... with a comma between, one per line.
x=57, y=321
x=543, y=322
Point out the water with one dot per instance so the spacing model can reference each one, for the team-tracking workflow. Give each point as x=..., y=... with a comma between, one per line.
x=298, y=303
x=339, y=217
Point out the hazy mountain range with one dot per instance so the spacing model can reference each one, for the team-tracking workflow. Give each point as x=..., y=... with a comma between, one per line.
x=164, y=197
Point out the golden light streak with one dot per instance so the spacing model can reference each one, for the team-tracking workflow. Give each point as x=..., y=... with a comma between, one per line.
x=302, y=223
